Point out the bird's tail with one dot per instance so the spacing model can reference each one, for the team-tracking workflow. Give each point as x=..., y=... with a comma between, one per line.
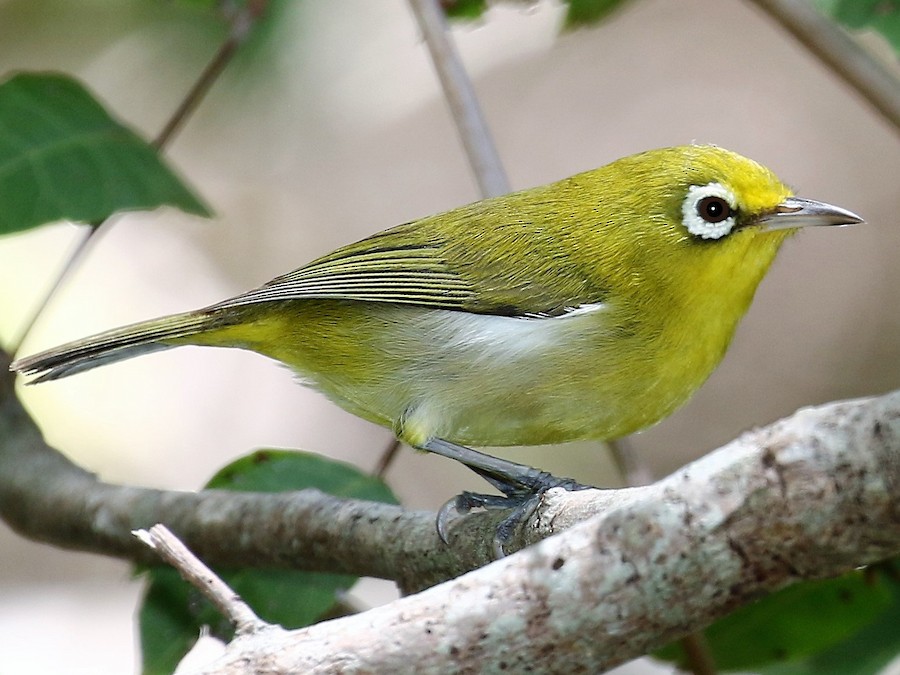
x=115, y=345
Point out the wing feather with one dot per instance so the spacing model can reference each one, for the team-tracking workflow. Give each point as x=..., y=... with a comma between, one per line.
x=467, y=263
x=407, y=276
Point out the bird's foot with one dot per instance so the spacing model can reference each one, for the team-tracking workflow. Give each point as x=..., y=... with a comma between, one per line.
x=522, y=487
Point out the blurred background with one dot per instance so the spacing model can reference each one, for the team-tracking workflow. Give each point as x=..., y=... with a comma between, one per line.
x=333, y=128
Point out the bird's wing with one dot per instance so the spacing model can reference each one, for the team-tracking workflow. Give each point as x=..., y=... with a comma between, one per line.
x=448, y=268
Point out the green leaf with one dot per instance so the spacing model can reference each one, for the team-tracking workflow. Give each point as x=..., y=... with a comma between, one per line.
x=586, y=12
x=882, y=16
x=855, y=14
x=169, y=605
x=800, y=620
x=205, y=4
x=464, y=9
x=62, y=157
x=173, y=613
x=283, y=470
x=867, y=652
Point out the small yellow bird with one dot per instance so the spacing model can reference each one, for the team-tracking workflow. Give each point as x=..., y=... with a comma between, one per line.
x=585, y=309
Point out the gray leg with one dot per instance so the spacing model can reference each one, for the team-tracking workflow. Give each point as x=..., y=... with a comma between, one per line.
x=521, y=485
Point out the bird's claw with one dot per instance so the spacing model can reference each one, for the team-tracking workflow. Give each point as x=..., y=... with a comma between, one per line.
x=523, y=504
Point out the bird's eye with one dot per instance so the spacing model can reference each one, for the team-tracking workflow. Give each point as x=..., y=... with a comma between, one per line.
x=709, y=210
x=713, y=209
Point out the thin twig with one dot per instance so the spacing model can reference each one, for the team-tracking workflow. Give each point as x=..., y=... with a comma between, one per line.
x=241, y=23
x=632, y=469
x=698, y=655
x=192, y=570
x=387, y=458
x=461, y=97
x=840, y=52
x=240, y=28
x=75, y=255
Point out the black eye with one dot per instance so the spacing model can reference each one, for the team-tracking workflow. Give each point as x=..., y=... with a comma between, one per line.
x=713, y=209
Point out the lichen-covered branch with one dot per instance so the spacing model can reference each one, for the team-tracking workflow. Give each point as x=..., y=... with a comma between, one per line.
x=810, y=496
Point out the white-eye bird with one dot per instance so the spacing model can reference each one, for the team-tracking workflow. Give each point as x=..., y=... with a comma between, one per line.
x=589, y=308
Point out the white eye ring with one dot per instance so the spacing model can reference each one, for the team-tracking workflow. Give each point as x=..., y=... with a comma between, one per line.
x=693, y=219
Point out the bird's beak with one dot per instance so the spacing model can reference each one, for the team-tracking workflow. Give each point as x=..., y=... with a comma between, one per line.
x=797, y=212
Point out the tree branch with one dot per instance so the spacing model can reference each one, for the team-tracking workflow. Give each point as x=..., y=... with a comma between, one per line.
x=811, y=496
x=45, y=497
x=834, y=47
x=461, y=97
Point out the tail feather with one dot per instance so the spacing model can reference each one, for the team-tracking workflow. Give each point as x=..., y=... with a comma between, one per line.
x=114, y=345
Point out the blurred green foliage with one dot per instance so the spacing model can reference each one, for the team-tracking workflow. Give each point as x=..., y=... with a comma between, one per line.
x=797, y=622
x=881, y=16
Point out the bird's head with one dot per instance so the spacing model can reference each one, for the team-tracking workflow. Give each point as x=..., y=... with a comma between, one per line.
x=723, y=194
x=702, y=214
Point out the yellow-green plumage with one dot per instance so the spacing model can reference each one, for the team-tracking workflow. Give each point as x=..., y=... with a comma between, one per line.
x=581, y=309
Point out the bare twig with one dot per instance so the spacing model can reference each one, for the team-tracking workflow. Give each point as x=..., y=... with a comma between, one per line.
x=698, y=654
x=76, y=255
x=387, y=458
x=875, y=83
x=810, y=496
x=483, y=156
x=241, y=25
x=226, y=601
x=631, y=468
x=461, y=98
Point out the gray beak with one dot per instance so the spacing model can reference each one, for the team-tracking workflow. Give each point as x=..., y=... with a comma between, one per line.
x=797, y=212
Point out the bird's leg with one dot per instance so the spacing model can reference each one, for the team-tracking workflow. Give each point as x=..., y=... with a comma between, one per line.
x=521, y=485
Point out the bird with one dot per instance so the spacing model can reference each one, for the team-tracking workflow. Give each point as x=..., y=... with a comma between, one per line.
x=589, y=308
